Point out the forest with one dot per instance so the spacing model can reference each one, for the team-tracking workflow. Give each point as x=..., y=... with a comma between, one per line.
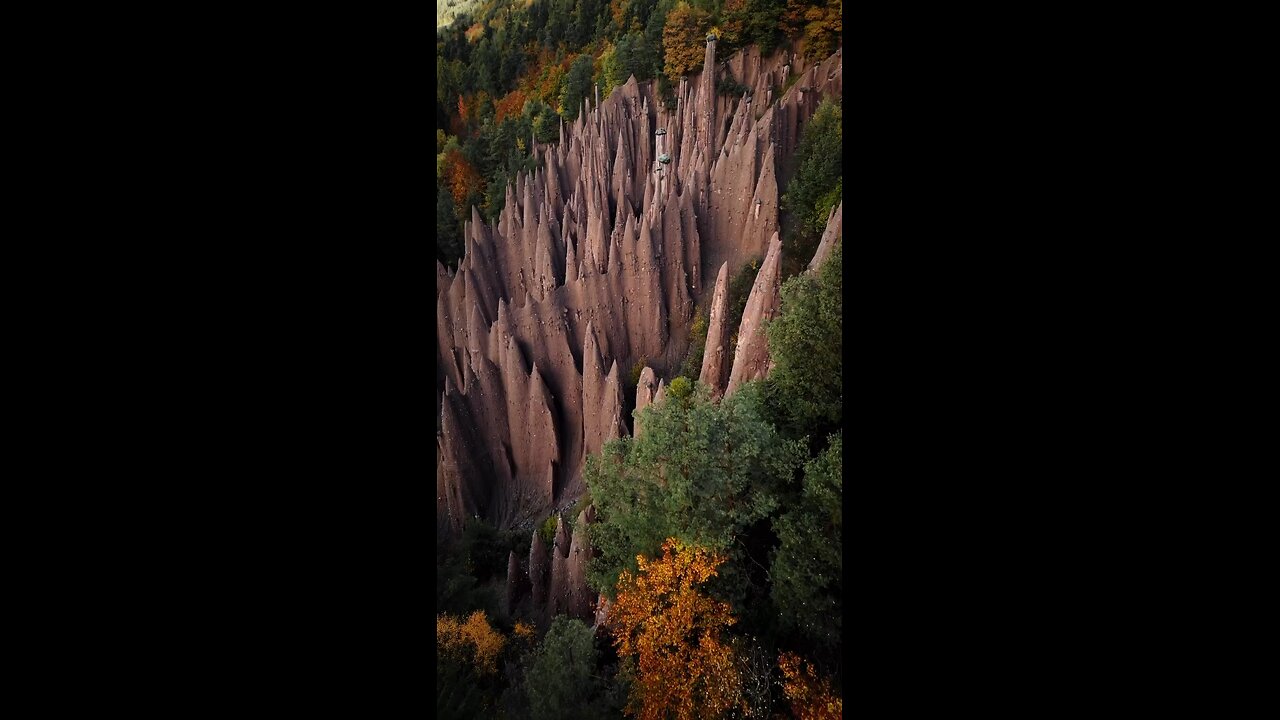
x=511, y=72
x=719, y=534
x=715, y=539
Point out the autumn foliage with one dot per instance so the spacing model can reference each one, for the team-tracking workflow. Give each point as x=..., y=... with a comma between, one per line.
x=510, y=105
x=461, y=177
x=685, y=668
x=810, y=696
x=822, y=23
x=472, y=640
x=684, y=40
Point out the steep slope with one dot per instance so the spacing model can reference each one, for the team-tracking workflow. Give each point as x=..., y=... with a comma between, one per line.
x=596, y=264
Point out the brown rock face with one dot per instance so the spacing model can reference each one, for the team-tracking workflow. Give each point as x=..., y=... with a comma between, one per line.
x=581, y=601
x=558, y=590
x=596, y=262
x=569, y=593
x=602, y=398
x=539, y=564
x=751, y=361
x=513, y=581
x=713, y=358
x=645, y=390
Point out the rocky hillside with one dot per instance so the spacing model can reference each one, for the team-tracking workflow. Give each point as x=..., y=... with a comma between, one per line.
x=637, y=215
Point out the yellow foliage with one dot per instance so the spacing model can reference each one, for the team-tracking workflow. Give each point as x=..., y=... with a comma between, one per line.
x=448, y=633
x=684, y=40
x=523, y=630
x=684, y=668
x=811, y=697
x=455, y=638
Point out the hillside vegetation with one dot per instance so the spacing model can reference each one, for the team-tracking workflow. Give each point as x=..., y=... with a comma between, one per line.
x=691, y=563
x=449, y=10
x=509, y=71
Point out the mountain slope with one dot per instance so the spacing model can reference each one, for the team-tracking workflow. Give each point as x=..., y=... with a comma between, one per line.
x=595, y=266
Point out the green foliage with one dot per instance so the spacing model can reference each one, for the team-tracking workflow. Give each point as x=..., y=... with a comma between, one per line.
x=469, y=653
x=636, y=370
x=792, y=77
x=571, y=519
x=457, y=590
x=486, y=549
x=804, y=389
x=448, y=235
x=702, y=472
x=548, y=529
x=481, y=59
x=543, y=120
x=692, y=365
x=577, y=86
x=579, y=506
x=460, y=693
x=807, y=567
x=762, y=24
x=559, y=677
x=632, y=55
x=610, y=75
x=727, y=85
x=818, y=174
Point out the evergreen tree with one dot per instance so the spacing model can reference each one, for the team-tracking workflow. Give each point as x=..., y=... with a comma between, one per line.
x=559, y=677
x=577, y=86
x=807, y=568
x=816, y=186
x=804, y=390
x=448, y=237
x=702, y=472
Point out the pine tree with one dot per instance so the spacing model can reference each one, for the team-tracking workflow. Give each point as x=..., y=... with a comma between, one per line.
x=703, y=472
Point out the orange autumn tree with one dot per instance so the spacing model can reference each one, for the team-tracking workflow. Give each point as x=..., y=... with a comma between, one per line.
x=461, y=177
x=510, y=105
x=684, y=667
x=811, y=697
x=472, y=640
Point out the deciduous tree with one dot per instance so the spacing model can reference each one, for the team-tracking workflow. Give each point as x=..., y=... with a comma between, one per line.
x=472, y=640
x=809, y=694
x=684, y=40
x=684, y=664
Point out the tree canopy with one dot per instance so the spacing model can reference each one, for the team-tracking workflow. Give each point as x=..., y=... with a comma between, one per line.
x=816, y=186
x=804, y=389
x=559, y=677
x=506, y=73
x=702, y=472
x=684, y=40
x=685, y=666
x=807, y=567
